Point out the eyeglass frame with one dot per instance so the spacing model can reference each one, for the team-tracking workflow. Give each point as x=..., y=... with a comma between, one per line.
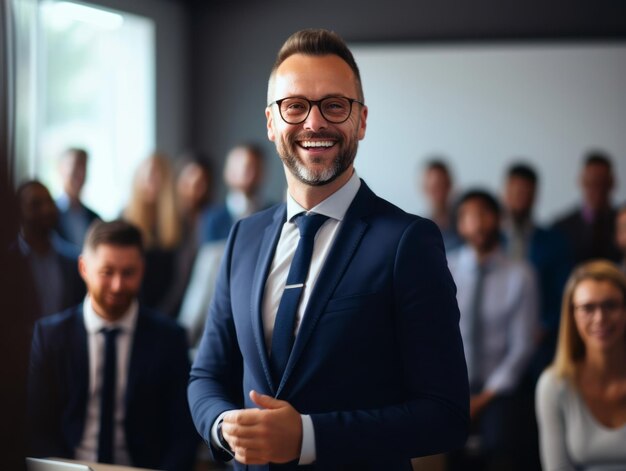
x=315, y=103
x=607, y=307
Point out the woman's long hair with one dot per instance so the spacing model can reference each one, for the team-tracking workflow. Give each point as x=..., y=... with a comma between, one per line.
x=156, y=214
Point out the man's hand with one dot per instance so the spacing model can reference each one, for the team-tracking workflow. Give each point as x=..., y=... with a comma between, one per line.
x=272, y=433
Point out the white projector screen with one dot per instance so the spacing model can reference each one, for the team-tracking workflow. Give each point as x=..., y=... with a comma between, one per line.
x=483, y=106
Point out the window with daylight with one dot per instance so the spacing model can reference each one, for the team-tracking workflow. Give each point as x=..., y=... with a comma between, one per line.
x=95, y=90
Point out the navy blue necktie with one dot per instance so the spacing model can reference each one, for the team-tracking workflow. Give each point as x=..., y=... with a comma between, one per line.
x=107, y=397
x=284, y=326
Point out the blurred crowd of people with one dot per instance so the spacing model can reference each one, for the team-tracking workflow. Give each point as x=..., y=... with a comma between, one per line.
x=141, y=276
x=170, y=204
x=510, y=272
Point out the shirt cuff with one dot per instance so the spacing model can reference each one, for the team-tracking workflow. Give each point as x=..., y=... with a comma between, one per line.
x=307, y=452
x=214, y=440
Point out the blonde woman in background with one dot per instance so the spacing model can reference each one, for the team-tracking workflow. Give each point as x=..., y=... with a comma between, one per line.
x=194, y=189
x=152, y=208
x=581, y=398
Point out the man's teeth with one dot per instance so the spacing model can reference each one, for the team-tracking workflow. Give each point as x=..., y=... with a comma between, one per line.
x=317, y=143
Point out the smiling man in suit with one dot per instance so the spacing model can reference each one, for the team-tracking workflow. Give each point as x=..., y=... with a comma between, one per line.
x=332, y=341
x=108, y=377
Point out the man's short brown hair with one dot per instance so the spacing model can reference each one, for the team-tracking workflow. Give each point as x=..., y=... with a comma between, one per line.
x=317, y=42
x=118, y=232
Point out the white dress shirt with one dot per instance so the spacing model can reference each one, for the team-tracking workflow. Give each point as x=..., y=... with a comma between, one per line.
x=87, y=449
x=509, y=316
x=240, y=206
x=335, y=207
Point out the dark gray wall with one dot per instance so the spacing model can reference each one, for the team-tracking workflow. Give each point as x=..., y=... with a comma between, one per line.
x=235, y=42
x=213, y=57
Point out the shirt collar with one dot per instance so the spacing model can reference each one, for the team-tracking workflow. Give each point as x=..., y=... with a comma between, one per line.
x=239, y=205
x=510, y=227
x=63, y=202
x=94, y=323
x=590, y=215
x=335, y=206
x=469, y=260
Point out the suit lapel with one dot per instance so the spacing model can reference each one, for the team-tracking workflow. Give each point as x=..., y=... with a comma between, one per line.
x=139, y=356
x=79, y=358
x=264, y=262
x=340, y=255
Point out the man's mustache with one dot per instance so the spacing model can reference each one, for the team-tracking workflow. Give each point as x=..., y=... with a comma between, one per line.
x=308, y=135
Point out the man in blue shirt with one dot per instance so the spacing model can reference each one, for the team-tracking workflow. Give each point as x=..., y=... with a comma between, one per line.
x=498, y=302
x=74, y=216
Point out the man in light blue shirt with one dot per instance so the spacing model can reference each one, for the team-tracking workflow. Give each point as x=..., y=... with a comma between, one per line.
x=74, y=216
x=497, y=298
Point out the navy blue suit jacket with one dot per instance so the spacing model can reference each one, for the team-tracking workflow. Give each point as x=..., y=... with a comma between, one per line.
x=158, y=427
x=378, y=361
x=549, y=254
x=63, y=224
x=215, y=224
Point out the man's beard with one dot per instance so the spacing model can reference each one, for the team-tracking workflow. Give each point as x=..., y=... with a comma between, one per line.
x=113, y=310
x=287, y=149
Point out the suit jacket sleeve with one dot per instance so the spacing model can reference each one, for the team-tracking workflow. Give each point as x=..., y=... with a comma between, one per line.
x=435, y=417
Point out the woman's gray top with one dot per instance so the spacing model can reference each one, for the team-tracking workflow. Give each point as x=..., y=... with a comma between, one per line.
x=569, y=435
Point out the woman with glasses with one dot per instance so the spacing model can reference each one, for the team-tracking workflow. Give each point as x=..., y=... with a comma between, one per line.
x=581, y=398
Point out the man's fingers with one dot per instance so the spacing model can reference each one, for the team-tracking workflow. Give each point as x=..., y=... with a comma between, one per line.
x=242, y=417
x=258, y=436
x=237, y=442
x=265, y=401
x=249, y=451
x=240, y=431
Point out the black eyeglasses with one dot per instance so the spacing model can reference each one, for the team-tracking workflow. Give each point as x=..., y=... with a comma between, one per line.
x=609, y=307
x=334, y=109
